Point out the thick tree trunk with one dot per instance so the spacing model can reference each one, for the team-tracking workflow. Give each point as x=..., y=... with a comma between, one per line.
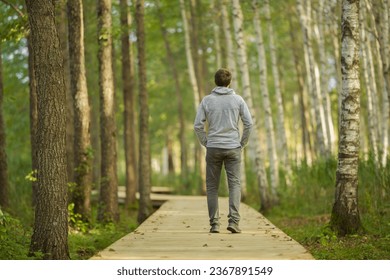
x=4, y=199
x=61, y=22
x=269, y=126
x=144, y=176
x=50, y=236
x=247, y=95
x=108, y=201
x=175, y=75
x=33, y=116
x=82, y=139
x=345, y=217
x=129, y=107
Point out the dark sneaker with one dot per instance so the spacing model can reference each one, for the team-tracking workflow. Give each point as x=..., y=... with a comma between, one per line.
x=233, y=228
x=214, y=228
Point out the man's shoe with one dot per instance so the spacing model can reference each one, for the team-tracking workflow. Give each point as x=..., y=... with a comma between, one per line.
x=233, y=228
x=214, y=228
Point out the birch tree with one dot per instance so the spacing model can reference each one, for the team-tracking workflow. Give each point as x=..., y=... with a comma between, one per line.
x=231, y=62
x=370, y=89
x=265, y=200
x=108, y=201
x=323, y=83
x=312, y=79
x=231, y=56
x=302, y=94
x=281, y=131
x=195, y=89
x=269, y=126
x=345, y=218
x=379, y=16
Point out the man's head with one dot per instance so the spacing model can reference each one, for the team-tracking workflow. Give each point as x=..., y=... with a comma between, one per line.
x=223, y=77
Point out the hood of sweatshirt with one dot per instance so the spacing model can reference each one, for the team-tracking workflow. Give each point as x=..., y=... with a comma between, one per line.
x=223, y=90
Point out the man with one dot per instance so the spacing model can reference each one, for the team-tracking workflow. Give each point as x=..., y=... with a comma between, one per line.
x=223, y=109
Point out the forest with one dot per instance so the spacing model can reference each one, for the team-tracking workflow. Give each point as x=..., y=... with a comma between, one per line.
x=100, y=94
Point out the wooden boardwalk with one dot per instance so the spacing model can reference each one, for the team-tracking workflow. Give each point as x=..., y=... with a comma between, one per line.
x=179, y=230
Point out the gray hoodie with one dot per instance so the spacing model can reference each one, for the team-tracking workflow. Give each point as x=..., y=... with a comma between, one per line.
x=222, y=109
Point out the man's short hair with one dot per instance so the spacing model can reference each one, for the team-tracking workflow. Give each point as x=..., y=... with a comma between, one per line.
x=223, y=77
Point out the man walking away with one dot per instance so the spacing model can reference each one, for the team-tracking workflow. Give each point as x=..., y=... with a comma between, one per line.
x=223, y=109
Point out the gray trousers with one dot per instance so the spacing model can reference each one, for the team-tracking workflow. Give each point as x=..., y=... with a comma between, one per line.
x=231, y=158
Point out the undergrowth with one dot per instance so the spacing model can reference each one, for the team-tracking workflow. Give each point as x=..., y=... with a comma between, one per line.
x=303, y=213
x=305, y=207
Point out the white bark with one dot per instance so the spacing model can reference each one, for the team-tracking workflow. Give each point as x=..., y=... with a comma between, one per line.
x=190, y=61
x=319, y=32
x=275, y=72
x=195, y=88
x=247, y=95
x=269, y=127
x=313, y=79
x=345, y=217
x=231, y=54
x=372, y=124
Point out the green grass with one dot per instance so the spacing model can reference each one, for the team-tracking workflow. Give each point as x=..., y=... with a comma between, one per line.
x=303, y=213
x=83, y=244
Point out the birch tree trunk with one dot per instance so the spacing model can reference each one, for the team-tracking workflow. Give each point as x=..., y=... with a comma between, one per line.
x=372, y=121
x=216, y=33
x=4, y=199
x=128, y=81
x=319, y=32
x=82, y=139
x=175, y=75
x=247, y=95
x=231, y=54
x=281, y=131
x=195, y=90
x=332, y=21
x=50, y=234
x=231, y=64
x=269, y=126
x=108, y=210
x=380, y=21
x=312, y=78
x=345, y=218
x=304, y=112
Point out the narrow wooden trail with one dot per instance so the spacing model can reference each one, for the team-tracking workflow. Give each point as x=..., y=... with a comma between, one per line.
x=179, y=230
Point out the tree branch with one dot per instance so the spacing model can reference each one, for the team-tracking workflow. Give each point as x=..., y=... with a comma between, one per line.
x=14, y=7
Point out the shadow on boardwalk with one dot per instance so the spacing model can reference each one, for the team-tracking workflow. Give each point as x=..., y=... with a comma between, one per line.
x=179, y=230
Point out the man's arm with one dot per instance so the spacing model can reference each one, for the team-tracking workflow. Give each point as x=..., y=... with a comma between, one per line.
x=246, y=118
x=199, y=123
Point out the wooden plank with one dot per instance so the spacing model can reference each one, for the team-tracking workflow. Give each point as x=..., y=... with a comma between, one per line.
x=180, y=230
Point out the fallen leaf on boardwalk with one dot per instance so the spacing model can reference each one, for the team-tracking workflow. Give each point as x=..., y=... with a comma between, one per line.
x=205, y=245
